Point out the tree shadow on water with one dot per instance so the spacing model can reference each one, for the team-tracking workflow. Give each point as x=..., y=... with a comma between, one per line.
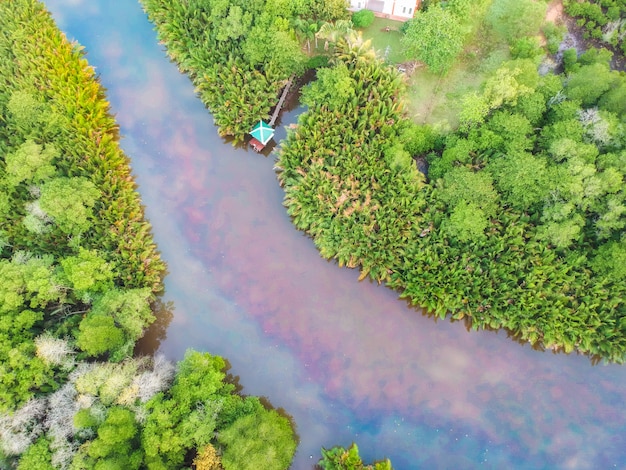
x=149, y=343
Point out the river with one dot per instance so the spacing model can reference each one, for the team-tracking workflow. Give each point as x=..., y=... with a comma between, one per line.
x=347, y=359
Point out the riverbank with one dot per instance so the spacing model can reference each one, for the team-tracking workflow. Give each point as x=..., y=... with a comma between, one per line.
x=81, y=274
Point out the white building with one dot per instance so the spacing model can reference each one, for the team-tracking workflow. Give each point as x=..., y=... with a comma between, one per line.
x=398, y=8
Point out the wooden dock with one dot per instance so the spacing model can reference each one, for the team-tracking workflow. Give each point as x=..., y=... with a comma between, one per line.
x=263, y=132
x=283, y=97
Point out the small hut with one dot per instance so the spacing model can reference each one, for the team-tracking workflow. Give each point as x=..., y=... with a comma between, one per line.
x=261, y=134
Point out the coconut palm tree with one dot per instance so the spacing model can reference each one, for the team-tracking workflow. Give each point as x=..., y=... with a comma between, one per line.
x=305, y=30
x=331, y=32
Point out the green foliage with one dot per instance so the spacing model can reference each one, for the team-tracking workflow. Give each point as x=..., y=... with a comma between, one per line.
x=333, y=87
x=333, y=168
x=467, y=221
x=554, y=36
x=29, y=117
x=187, y=416
x=611, y=260
x=339, y=458
x=78, y=259
x=239, y=55
x=417, y=139
x=521, y=200
x=98, y=334
x=56, y=116
x=235, y=25
x=115, y=446
x=589, y=82
x=435, y=37
x=276, y=47
x=329, y=10
x=362, y=18
x=507, y=84
x=461, y=8
x=570, y=60
x=262, y=441
x=614, y=100
x=129, y=308
x=30, y=163
x=69, y=202
x=515, y=19
x=602, y=20
x=522, y=179
x=88, y=272
x=37, y=457
x=527, y=47
x=462, y=184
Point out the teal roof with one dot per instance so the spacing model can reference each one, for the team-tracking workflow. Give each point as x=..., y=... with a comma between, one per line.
x=262, y=132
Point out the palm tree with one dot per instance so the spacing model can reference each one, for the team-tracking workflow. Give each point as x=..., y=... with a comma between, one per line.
x=354, y=49
x=331, y=32
x=305, y=30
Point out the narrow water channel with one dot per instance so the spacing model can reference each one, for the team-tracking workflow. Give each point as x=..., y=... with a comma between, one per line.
x=348, y=360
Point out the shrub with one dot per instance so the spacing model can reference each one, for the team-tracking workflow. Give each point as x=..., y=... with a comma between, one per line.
x=514, y=19
x=554, y=36
x=570, y=60
x=526, y=48
x=362, y=18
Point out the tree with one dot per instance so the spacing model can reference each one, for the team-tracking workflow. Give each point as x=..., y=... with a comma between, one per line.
x=561, y=232
x=329, y=10
x=130, y=308
x=610, y=260
x=466, y=222
x=462, y=184
x=589, y=83
x=186, y=416
x=235, y=25
x=70, y=202
x=260, y=441
x=123, y=316
x=334, y=85
x=98, y=334
x=37, y=457
x=306, y=30
x=275, y=50
x=30, y=117
x=362, y=18
x=614, y=99
x=474, y=110
x=435, y=37
x=87, y=272
x=208, y=459
x=30, y=163
x=522, y=179
x=116, y=445
x=514, y=19
x=332, y=32
x=505, y=87
x=338, y=458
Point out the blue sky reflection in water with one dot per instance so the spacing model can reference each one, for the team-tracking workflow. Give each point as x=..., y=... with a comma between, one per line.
x=347, y=359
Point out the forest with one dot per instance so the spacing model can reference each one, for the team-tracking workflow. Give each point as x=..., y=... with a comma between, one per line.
x=518, y=223
x=81, y=283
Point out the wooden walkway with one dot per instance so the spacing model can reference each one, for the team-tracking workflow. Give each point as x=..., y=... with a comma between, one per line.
x=281, y=101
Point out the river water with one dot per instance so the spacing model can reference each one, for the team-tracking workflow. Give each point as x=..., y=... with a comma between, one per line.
x=347, y=359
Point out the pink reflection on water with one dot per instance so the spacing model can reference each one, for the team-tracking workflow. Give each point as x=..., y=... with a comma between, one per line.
x=356, y=341
x=367, y=350
x=361, y=344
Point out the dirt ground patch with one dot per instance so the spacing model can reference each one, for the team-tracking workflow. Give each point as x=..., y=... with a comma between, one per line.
x=555, y=11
